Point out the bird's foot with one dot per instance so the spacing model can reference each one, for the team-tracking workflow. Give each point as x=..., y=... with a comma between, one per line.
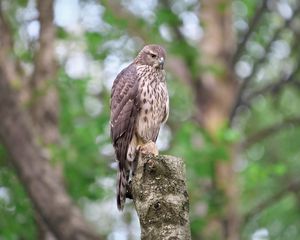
x=148, y=148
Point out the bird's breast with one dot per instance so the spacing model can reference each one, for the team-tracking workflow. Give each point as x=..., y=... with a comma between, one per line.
x=153, y=98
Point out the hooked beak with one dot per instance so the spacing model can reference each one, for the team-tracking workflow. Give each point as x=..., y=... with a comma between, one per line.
x=161, y=62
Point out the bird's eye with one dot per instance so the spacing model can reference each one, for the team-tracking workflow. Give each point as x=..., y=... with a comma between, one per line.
x=153, y=55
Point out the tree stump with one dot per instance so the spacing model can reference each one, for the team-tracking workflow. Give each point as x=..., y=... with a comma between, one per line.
x=160, y=198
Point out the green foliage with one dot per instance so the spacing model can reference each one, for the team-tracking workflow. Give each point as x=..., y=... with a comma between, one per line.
x=61, y=33
x=79, y=152
x=164, y=15
x=110, y=18
x=22, y=3
x=17, y=219
x=265, y=168
x=93, y=41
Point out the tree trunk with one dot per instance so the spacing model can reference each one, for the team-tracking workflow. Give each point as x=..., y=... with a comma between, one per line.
x=161, y=199
x=44, y=105
x=215, y=98
x=45, y=190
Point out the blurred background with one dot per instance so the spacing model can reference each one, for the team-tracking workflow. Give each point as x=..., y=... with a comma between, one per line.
x=233, y=78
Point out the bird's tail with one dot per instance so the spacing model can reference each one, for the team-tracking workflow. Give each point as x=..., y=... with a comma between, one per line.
x=122, y=180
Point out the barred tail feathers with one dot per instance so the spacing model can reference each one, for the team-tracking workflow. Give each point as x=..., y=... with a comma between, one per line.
x=122, y=181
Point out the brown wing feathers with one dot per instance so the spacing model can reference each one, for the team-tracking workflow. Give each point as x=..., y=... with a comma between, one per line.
x=124, y=109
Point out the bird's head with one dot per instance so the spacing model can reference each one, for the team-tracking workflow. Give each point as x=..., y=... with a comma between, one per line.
x=152, y=55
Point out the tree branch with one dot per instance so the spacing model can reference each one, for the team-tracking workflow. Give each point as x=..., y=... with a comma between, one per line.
x=258, y=63
x=161, y=199
x=269, y=131
x=276, y=86
x=6, y=36
x=7, y=63
x=45, y=66
x=178, y=34
x=252, y=26
x=272, y=87
x=43, y=95
x=133, y=24
x=44, y=99
x=45, y=190
x=292, y=186
x=179, y=66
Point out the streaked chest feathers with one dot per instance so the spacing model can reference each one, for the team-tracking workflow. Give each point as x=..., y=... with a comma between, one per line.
x=154, y=100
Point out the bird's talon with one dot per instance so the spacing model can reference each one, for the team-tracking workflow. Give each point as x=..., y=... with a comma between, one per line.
x=148, y=148
x=138, y=148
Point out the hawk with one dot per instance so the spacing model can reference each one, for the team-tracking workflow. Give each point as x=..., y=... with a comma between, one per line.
x=139, y=106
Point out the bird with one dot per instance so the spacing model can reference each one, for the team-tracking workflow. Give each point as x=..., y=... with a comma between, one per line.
x=139, y=105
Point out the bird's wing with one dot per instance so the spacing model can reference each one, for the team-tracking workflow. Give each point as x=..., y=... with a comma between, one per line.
x=124, y=109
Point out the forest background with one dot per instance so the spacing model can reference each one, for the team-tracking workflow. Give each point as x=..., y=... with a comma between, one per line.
x=233, y=78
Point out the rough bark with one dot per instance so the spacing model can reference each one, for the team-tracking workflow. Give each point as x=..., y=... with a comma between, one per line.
x=45, y=190
x=161, y=199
